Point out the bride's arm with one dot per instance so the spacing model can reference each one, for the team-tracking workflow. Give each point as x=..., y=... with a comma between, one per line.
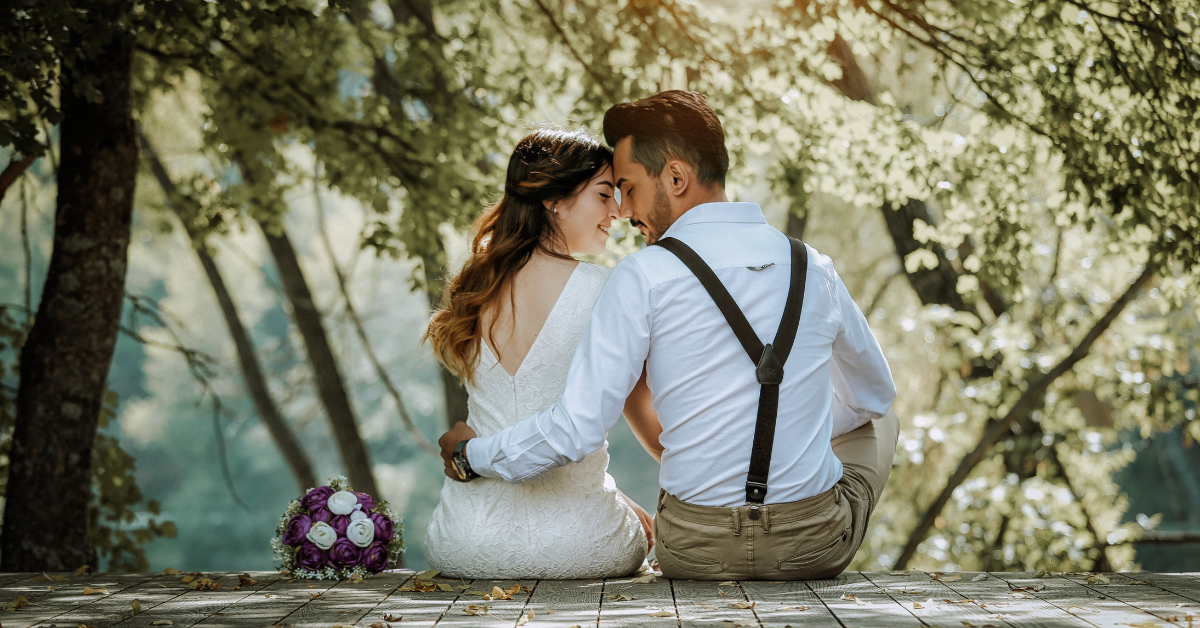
x=642, y=418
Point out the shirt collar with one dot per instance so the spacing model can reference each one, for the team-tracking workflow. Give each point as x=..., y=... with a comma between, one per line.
x=725, y=212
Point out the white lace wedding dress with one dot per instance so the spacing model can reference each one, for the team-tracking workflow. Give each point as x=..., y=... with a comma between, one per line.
x=568, y=523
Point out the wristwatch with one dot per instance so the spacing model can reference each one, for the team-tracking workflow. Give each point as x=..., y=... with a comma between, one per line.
x=461, y=466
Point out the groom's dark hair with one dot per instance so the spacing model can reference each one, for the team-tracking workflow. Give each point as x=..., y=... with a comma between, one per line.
x=673, y=124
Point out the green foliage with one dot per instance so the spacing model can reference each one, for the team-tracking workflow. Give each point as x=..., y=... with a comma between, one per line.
x=116, y=499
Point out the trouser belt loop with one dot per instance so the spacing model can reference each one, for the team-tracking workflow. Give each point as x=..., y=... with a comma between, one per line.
x=737, y=522
x=766, y=519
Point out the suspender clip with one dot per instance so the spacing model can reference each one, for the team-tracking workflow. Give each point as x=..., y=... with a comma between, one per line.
x=756, y=492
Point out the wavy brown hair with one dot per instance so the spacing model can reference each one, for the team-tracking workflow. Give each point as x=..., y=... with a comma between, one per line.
x=547, y=165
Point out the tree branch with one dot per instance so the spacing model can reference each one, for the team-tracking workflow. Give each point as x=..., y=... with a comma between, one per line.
x=13, y=171
x=1023, y=405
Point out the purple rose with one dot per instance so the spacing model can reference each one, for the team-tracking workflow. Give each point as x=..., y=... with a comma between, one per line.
x=321, y=514
x=384, y=528
x=345, y=553
x=311, y=557
x=316, y=498
x=339, y=523
x=366, y=501
x=297, y=527
x=375, y=558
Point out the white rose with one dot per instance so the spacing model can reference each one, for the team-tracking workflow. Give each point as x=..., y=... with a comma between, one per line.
x=358, y=514
x=342, y=502
x=361, y=532
x=322, y=535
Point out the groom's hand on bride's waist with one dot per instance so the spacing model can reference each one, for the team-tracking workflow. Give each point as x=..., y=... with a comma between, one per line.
x=457, y=434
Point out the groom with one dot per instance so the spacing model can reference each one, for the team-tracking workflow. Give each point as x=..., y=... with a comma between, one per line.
x=834, y=438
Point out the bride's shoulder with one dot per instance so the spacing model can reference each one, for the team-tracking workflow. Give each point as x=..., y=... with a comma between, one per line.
x=593, y=276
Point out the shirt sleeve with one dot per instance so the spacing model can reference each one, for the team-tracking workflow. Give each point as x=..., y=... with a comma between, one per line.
x=606, y=366
x=863, y=389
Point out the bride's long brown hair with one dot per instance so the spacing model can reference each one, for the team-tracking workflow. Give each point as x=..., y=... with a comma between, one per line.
x=547, y=165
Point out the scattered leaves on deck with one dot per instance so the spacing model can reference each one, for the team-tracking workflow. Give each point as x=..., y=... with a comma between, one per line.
x=471, y=609
x=161, y=622
x=524, y=619
x=82, y=570
x=1097, y=579
x=728, y=583
x=137, y=606
x=90, y=591
x=388, y=617
x=899, y=573
x=203, y=584
x=743, y=604
x=171, y=571
x=662, y=614
x=940, y=577
x=621, y=598
x=980, y=578
x=646, y=579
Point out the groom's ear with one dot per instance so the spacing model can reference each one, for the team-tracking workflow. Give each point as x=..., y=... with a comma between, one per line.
x=679, y=177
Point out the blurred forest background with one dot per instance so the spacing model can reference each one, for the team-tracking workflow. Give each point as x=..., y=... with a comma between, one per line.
x=1008, y=188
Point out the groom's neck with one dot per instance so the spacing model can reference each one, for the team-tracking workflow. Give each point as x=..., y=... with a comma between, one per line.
x=700, y=196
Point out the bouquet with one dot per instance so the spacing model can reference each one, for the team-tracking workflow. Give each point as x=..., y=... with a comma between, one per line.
x=334, y=532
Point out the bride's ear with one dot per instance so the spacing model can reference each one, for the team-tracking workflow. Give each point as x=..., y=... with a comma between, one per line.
x=551, y=206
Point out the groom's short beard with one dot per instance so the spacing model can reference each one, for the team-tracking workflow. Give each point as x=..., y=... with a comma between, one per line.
x=660, y=213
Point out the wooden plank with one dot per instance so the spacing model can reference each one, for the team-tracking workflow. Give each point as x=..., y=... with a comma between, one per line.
x=1098, y=610
x=938, y=605
x=1153, y=600
x=258, y=605
x=647, y=599
x=413, y=607
x=710, y=604
x=1183, y=585
x=346, y=603
x=499, y=612
x=110, y=609
x=565, y=603
x=786, y=604
x=856, y=601
x=995, y=596
x=68, y=596
x=9, y=577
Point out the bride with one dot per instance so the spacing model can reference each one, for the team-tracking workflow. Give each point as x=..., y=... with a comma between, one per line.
x=509, y=327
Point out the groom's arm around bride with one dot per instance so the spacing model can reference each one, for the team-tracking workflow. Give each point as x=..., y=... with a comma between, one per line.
x=736, y=502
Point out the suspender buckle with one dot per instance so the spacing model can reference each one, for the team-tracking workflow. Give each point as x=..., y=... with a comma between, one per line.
x=756, y=492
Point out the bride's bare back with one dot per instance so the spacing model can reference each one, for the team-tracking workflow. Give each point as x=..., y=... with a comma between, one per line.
x=534, y=291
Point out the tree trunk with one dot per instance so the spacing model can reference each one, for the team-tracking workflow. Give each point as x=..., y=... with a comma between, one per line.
x=252, y=373
x=13, y=171
x=330, y=386
x=66, y=358
x=932, y=285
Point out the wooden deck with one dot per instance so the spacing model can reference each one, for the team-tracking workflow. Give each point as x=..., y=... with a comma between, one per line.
x=395, y=600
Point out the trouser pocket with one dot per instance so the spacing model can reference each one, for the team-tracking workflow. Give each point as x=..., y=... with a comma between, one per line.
x=687, y=549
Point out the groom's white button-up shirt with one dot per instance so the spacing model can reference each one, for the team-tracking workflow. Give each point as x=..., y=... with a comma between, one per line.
x=654, y=311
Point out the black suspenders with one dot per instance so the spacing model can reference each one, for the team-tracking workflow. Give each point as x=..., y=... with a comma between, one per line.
x=769, y=358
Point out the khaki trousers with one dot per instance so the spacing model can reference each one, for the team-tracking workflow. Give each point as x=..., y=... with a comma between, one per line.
x=804, y=540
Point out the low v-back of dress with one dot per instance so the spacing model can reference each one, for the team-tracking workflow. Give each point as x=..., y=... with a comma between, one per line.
x=568, y=523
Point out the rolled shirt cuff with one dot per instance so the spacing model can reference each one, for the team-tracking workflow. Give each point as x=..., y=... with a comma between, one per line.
x=479, y=456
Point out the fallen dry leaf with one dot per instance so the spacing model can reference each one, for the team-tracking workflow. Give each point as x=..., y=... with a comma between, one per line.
x=45, y=577
x=82, y=570
x=378, y=624
x=161, y=622
x=727, y=583
x=899, y=573
x=389, y=617
x=954, y=577
x=980, y=578
x=428, y=575
x=89, y=590
x=514, y=589
x=187, y=579
x=1097, y=579
x=793, y=608
x=204, y=584
x=743, y=604
x=524, y=619
x=917, y=605
x=621, y=598
x=473, y=609
x=442, y=586
x=646, y=579
x=500, y=594
x=662, y=614
x=959, y=601
x=244, y=580
x=137, y=606
x=171, y=571
x=18, y=602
